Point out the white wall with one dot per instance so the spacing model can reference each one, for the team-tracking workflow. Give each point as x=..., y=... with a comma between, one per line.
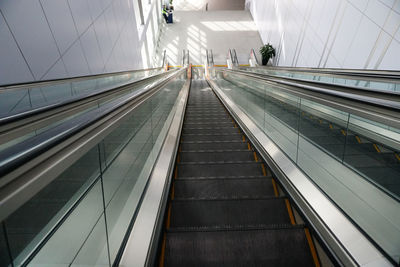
x=331, y=33
x=48, y=39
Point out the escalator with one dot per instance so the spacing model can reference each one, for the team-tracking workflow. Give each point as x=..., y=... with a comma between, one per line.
x=173, y=174
x=225, y=208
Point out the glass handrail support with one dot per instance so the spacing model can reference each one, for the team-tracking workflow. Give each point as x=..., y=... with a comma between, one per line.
x=345, y=154
x=81, y=216
x=15, y=129
x=365, y=83
x=25, y=97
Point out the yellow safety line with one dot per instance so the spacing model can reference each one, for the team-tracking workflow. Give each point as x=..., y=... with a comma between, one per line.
x=276, y=192
x=248, y=146
x=343, y=132
x=358, y=139
x=162, y=256
x=289, y=209
x=263, y=169
x=377, y=148
x=220, y=65
x=330, y=126
x=244, y=65
x=244, y=139
x=173, y=191
x=168, y=223
x=255, y=156
x=196, y=66
x=320, y=121
x=312, y=248
x=397, y=156
x=176, y=172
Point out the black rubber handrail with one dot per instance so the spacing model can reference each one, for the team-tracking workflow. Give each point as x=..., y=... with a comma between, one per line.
x=337, y=85
x=373, y=74
x=15, y=86
x=19, y=154
x=332, y=89
x=32, y=112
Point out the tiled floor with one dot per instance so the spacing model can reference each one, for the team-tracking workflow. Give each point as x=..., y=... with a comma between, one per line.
x=202, y=30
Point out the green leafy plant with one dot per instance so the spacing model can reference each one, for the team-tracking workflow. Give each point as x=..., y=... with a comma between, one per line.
x=267, y=51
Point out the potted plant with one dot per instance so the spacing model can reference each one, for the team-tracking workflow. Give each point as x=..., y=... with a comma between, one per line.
x=171, y=6
x=267, y=51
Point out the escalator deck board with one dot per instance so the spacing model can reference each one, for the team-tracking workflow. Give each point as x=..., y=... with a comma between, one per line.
x=233, y=212
x=264, y=247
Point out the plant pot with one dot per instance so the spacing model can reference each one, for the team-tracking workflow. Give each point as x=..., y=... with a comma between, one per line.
x=265, y=60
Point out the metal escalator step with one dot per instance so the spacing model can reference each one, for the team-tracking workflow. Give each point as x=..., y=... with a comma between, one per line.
x=213, y=145
x=262, y=247
x=214, y=156
x=242, y=169
x=257, y=187
x=327, y=139
x=209, y=130
x=360, y=148
x=215, y=118
x=212, y=137
x=232, y=212
x=208, y=116
x=205, y=109
x=208, y=125
x=363, y=160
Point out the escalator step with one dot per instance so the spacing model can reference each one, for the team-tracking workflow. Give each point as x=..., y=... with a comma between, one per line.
x=205, y=110
x=211, y=146
x=328, y=139
x=214, y=156
x=210, y=130
x=263, y=247
x=360, y=148
x=207, y=124
x=363, y=160
x=212, y=137
x=243, y=169
x=258, y=187
x=210, y=118
x=233, y=212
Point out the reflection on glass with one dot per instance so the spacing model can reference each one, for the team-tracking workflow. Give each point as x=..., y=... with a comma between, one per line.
x=81, y=217
x=355, y=161
x=329, y=78
x=28, y=225
x=17, y=100
x=40, y=93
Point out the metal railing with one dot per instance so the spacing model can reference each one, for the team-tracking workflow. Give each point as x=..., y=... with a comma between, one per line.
x=253, y=56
